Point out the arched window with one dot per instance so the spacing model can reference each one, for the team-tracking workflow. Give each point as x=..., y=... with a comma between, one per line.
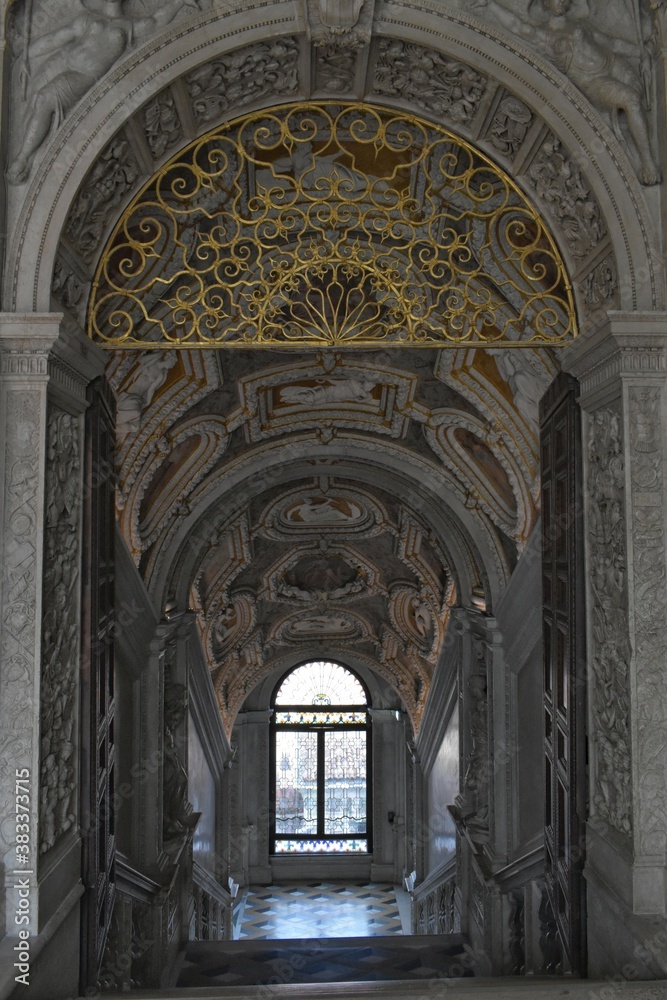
x=320, y=762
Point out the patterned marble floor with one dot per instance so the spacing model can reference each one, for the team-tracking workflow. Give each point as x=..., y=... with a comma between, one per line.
x=318, y=910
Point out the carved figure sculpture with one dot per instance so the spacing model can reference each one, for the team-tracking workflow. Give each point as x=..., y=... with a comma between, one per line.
x=476, y=781
x=422, y=616
x=333, y=391
x=71, y=60
x=597, y=64
x=152, y=374
x=526, y=386
x=178, y=820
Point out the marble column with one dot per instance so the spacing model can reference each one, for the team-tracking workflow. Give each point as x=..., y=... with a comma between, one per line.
x=43, y=380
x=622, y=371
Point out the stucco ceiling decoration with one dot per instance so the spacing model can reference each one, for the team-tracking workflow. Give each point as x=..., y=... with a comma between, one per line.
x=377, y=581
x=321, y=224
x=323, y=511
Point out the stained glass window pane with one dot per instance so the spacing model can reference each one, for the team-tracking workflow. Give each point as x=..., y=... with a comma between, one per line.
x=329, y=718
x=352, y=845
x=345, y=782
x=321, y=683
x=296, y=782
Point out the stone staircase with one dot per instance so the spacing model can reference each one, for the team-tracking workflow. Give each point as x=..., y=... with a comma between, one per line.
x=299, y=962
x=509, y=988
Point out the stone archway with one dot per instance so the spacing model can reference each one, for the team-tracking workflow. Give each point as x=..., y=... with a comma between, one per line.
x=116, y=143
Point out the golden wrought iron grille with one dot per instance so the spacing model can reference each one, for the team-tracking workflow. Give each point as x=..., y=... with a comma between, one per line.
x=319, y=224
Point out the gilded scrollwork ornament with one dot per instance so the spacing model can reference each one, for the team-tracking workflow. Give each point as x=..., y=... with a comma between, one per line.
x=300, y=225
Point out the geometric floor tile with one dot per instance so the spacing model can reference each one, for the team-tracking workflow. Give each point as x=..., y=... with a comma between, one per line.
x=318, y=910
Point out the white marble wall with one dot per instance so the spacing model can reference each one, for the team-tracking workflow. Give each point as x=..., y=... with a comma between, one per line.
x=442, y=784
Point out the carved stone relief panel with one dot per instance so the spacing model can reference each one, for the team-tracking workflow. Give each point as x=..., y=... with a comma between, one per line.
x=334, y=67
x=68, y=287
x=98, y=201
x=600, y=287
x=178, y=819
x=650, y=601
x=18, y=655
x=474, y=800
x=610, y=653
x=612, y=69
x=268, y=69
x=162, y=125
x=440, y=86
x=60, y=628
x=559, y=184
x=509, y=125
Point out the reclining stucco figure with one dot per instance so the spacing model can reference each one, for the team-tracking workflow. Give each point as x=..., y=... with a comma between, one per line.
x=73, y=59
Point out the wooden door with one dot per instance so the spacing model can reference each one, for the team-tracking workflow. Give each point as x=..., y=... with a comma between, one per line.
x=565, y=747
x=97, y=682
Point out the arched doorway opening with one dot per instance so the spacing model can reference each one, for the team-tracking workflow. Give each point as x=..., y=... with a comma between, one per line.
x=454, y=517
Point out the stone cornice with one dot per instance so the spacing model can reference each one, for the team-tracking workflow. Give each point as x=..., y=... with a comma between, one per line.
x=440, y=705
x=32, y=345
x=628, y=344
x=257, y=718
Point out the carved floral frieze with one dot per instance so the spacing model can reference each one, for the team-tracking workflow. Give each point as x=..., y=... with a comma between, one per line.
x=241, y=77
x=650, y=600
x=609, y=658
x=59, y=690
x=426, y=78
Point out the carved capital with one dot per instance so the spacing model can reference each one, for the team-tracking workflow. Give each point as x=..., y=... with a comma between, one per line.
x=25, y=343
x=626, y=345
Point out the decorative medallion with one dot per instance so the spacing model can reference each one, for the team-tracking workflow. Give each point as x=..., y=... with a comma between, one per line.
x=325, y=626
x=323, y=510
x=415, y=620
x=322, y=575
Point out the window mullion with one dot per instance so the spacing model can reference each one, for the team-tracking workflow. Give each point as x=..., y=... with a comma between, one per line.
x=320, y=782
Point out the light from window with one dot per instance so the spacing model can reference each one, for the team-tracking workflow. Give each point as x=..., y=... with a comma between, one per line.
x=321, y=767
x=321, y=683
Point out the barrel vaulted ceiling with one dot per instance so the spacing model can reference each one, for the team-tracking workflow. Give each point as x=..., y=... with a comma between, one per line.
x=313, y=503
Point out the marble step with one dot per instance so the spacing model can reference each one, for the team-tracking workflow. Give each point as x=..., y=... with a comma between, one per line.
x=508, y=988
x=326, y=960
